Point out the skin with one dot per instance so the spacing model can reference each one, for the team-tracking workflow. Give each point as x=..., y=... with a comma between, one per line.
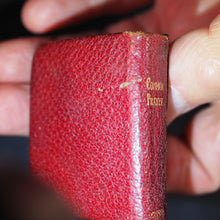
x=193, y=164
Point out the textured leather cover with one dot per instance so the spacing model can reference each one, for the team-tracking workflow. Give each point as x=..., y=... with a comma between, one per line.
x=98, y=128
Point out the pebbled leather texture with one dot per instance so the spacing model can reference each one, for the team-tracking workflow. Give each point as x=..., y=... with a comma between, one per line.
x=98, y=126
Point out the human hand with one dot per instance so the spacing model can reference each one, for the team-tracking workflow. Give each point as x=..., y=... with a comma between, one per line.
x=193, y=166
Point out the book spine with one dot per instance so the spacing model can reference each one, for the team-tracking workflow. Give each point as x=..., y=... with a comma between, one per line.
x=148, y=100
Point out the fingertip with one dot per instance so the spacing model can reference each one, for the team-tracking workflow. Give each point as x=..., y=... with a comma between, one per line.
x=28, y=17
x=14, y=111
x=39, y=16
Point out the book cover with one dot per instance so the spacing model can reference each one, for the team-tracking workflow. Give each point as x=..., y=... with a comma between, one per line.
x=98, y=124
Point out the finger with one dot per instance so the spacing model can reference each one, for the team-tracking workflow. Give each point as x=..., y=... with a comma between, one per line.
x=14, y=110
x=16, y=59
x=147, y=21
x=193, y=165
x=194, y=70
x=176, y=18
x=40, y=16
x=174, y=21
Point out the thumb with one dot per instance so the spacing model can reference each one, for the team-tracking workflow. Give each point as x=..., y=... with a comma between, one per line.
x=194, y=70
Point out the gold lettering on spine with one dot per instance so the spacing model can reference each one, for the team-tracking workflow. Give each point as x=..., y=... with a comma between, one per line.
x=154, y=86
x=157, y=214
x=154, y=101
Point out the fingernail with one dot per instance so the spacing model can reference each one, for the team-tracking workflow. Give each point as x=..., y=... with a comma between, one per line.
x=206, y=5
x=215, y=25
x=97, y=2
x=176, y=105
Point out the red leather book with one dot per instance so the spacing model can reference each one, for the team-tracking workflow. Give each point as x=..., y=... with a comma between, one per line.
x=98, y=127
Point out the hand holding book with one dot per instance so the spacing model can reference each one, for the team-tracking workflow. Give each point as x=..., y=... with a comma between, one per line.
x=193, y=166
